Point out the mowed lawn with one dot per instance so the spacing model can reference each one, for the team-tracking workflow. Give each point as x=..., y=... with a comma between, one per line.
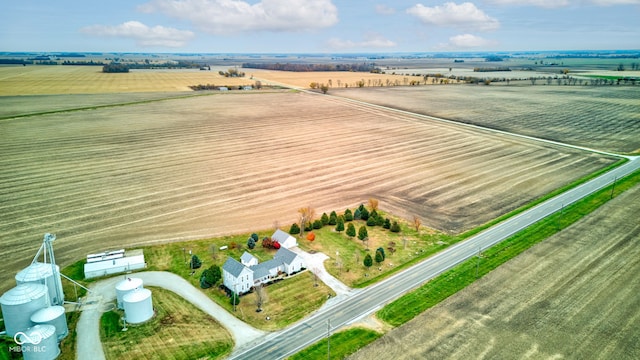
x=178, y=330
x=207, y=166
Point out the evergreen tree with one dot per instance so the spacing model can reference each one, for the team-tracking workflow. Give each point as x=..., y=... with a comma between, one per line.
x=368, y=261
x=371, y=221
x=255, y=237
x=295, y=229
x=351, y=230
x=251, y=243
x=395, y=227
x=340, y=224
x=357, y=215
x=325, y=219
x=363, y=233
x=387, y=223
x=379, y=256
x=379, y=221
x=317, y=224
x=348, y=215
x=333, y=218
x=381, y=250
x=195, y=262
x=364, y=214
x=373, y=213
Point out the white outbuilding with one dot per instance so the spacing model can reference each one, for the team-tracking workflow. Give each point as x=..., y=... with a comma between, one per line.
x=285, y=239
x=98, y=265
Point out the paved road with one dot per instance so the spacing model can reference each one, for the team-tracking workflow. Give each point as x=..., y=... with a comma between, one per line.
x=372, y=298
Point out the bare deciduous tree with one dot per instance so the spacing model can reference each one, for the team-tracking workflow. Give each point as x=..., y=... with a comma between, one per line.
x=373, y=204
x=306, y=216
x=416, y=223
x=261, y=296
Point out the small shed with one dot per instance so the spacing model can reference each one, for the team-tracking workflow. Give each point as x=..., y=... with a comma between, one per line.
x=132, y=260
x=248, y=260
x=285, y=239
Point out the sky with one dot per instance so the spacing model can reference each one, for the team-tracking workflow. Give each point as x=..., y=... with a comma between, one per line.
x=318, y=26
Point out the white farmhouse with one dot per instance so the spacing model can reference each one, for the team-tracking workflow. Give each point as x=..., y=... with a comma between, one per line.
x=237, y=277
x=285, y=240
x=240, y=277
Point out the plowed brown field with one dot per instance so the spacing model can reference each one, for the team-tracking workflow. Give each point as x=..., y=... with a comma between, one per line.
x=599, y=117
x=573, y=296
x=229, y=163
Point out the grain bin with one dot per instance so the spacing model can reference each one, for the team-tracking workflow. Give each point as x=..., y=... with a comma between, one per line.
x=52, y=315
x=138, y=306
x=42, y=273
x=124, y=287
x=39, y=343
x=19, y=303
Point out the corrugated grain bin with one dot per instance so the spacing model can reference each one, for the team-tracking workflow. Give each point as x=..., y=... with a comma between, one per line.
x=42, y=273
x=19, y=303
x=124, y=287
x=39, y=343
x=53, y=315
x=138, y=306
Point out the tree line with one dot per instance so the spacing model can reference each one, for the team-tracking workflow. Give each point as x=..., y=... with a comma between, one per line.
x=364, y=67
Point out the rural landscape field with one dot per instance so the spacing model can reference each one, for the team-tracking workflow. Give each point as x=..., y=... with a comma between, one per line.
x=574, y=296
x=198, y=167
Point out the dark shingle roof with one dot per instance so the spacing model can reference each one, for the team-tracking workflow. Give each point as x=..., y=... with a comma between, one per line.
x=233, y=267
x=285, y=255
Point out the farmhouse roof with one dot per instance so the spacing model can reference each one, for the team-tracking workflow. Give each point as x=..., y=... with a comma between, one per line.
x=280, y=236
x=233, y=267
x=246, y=258
x=285, y=255
x=262, y=270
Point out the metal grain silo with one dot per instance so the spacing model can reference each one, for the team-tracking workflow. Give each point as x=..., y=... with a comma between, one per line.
x=39, y=343
x=19, y=303
x=52, y=315
x=43, y=273
x=138, y=307
x=124, y=287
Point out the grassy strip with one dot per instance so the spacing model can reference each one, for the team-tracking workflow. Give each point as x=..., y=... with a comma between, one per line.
x=341, y=345
x=410, y=305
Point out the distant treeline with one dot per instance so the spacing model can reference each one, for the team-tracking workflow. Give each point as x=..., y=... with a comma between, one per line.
x=490, y=69
x=115, y=68
x=312, y=67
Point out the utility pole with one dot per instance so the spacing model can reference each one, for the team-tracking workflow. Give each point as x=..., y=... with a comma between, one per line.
x=613, y=187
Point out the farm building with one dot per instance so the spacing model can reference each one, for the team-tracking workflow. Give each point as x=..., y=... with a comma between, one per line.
x=285, y=240
x=240, y=277
x=237, y=277
x=113, y=262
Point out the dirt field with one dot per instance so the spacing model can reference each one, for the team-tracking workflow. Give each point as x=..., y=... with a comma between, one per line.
x=230, y=163
x=573, y=296
x=601, y=117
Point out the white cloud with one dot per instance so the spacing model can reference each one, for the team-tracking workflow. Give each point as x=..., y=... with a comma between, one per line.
x=143, y=35
x=540, y=3
x=562, y=3
x=615, y=2
x=385, y=10
x=465, y=15
x=231, y=16
x=469, y=41
x=370, y=41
